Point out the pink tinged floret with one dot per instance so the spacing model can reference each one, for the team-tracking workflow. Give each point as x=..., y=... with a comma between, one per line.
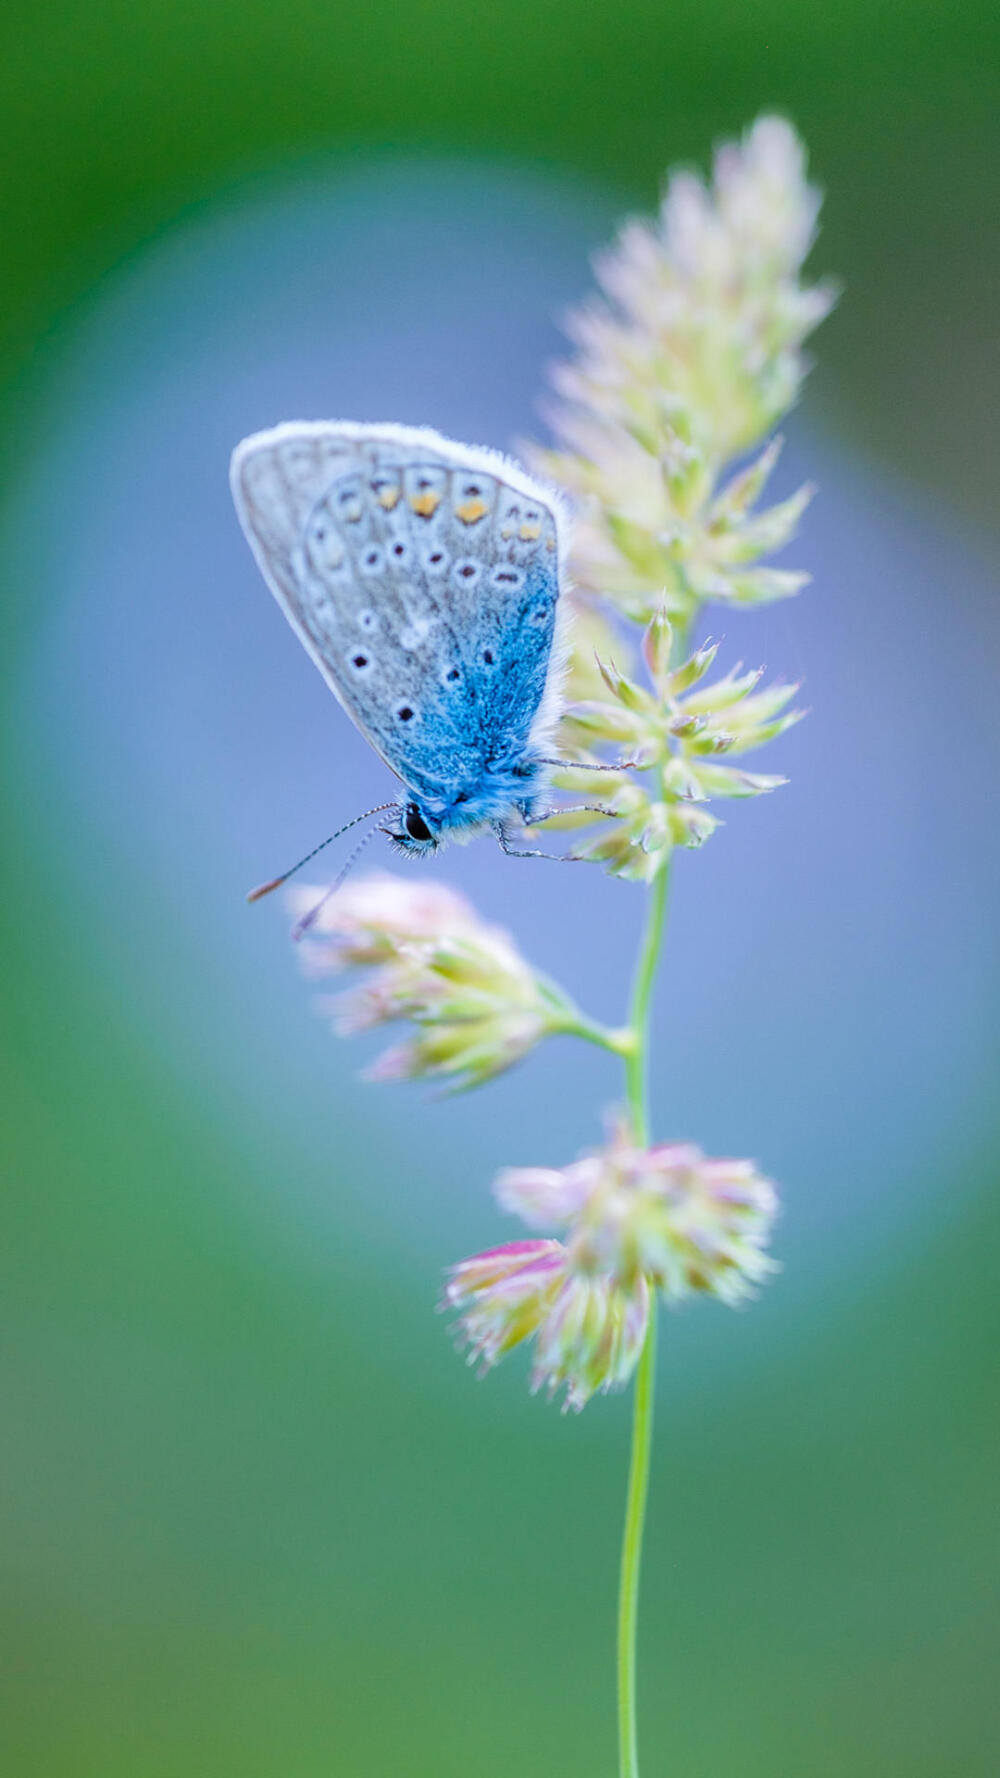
x=589, y=1330
x=545, y=1196
x=379, y=907
x=476, y=1004
x=591, y=1339
x=497, y=1264
x=400, y=1062
x=504, y=1293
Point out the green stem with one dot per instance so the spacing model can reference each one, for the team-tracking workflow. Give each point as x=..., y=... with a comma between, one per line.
x=628, y=1585
x=619, y=1042
x=637, y=1063
x=636, y=1079
x=567, y=1018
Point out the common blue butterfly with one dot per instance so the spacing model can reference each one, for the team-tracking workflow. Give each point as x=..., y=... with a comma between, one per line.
x=423, y=578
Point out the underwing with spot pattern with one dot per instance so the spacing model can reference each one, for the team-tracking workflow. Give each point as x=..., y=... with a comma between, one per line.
x=423, y=578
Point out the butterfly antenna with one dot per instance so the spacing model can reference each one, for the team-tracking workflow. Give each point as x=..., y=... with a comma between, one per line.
x=302, y=926
x=276, y=882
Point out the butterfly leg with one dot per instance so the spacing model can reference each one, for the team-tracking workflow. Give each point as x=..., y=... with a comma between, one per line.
x=510, y=851
x=574, y=809
x=593, y=765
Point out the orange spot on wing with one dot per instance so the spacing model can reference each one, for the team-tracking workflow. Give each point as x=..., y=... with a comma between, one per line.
x=388, y=497
x=528, y=533
x=425, y=505
x=470, y=511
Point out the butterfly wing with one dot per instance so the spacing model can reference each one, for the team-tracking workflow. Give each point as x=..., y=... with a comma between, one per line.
x=423, y=578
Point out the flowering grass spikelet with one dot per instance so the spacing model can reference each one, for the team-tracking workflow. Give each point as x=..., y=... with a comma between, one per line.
x=679, y=733
x=476, y=1004
x=633, y=1220
x=687, y=359
x=687, y=1224
x=683, y=364
x=588, y=1331
x=505, y=1293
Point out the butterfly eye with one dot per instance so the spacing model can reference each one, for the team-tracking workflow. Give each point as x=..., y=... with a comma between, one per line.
x=415, y=824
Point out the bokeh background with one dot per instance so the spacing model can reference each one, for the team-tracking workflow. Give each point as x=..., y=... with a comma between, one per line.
x=256, y=1518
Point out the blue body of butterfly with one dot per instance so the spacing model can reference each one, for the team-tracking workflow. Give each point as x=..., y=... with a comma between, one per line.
x=423, y=578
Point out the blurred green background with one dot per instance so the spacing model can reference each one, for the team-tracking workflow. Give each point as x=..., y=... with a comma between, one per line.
x=255, y=1518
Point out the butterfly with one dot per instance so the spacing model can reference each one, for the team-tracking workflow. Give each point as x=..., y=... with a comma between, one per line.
x=423, y=577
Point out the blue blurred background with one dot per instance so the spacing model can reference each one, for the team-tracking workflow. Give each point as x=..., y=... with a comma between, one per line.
x=256, y=1517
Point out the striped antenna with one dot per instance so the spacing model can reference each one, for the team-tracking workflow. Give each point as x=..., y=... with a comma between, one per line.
x=302, y=926
x=276, y=882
